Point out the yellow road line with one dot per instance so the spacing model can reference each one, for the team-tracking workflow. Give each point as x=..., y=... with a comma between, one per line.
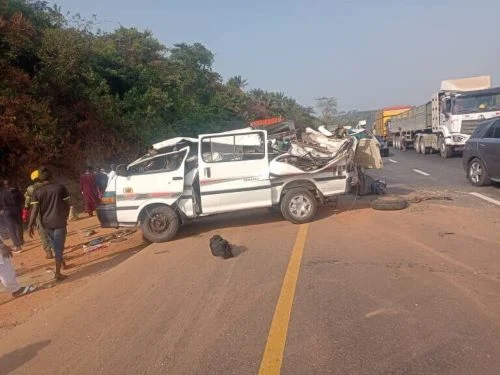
x=275, y=346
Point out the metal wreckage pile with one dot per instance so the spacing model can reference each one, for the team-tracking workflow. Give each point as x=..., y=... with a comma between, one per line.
x=312, y=151
x=295, y=151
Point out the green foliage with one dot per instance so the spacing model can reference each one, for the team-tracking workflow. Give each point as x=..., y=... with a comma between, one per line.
x=71, y=94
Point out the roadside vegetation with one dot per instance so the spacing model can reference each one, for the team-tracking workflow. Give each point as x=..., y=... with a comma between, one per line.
x=72, y=94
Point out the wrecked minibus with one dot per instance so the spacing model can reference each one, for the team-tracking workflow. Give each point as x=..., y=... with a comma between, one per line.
x=189, y=178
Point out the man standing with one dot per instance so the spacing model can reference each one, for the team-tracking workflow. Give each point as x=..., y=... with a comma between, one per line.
x=8, y=275
x=11, y=205
x=52, y=201
x=27, y=206
x=90, y=192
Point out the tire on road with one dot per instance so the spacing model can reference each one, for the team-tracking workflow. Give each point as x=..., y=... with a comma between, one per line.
x=299, y=206
x=477, y=174
x=159, y=223
x=389, y=204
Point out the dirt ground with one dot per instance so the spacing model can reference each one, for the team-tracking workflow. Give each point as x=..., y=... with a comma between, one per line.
x=33, y=268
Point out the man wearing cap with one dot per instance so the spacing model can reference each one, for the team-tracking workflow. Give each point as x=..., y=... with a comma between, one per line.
x=27, y=205
x=52, y=201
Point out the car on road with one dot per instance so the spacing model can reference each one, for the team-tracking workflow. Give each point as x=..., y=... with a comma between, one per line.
x=383, y=145
x=481, y=157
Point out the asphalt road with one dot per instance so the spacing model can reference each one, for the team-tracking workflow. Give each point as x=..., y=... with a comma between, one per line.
x=356, y=292
x=401, y=170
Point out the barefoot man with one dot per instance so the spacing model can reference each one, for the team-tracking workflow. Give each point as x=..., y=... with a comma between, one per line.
x=52, y=201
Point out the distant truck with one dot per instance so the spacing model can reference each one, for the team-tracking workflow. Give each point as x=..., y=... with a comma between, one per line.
x=446, y=122
x=382, y=118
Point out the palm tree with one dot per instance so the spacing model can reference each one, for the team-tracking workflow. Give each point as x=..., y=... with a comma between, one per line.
x=237, y=82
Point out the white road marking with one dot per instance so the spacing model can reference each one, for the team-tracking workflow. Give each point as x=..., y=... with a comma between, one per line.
x=393, y=161
x=484, y=197
x=422, y=173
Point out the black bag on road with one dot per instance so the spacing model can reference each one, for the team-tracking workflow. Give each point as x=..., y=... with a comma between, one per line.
x=220, y=247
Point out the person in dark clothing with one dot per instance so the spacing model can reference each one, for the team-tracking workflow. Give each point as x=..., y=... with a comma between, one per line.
x=52, y=201
x=101, y=180
x=11, y=205
x=27, y=206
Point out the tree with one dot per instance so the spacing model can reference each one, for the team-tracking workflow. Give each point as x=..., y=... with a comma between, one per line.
x=328, y=109
x=237, y=82
x=71, y=94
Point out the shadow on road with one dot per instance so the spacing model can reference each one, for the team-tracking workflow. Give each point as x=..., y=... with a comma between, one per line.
x=15, y=359
x=231, y=220
x=238, y=250
x=104, y=263
x=264, y=216
x=97, y=265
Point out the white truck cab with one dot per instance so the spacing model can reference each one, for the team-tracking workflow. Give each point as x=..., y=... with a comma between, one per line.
x=446, y=122
x=189, y=178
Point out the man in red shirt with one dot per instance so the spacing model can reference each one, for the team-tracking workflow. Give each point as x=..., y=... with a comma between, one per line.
x=90, y=191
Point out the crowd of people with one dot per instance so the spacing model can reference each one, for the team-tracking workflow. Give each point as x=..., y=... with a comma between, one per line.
x=45, y=206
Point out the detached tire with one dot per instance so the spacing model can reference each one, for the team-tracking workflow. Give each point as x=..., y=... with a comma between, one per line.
x=159, y=224
x=389, y=204
x=299, y=206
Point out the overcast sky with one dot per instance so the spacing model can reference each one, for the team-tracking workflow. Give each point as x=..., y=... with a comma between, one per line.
x=367, y=53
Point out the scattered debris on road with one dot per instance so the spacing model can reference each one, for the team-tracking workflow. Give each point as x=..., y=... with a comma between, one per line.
x=89, y=249
x=368, y=185
x=442, y=234
x=429, y=198
x=87, y=232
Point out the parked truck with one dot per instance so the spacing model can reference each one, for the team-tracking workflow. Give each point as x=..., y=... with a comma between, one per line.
x=382, y=118
x=446, y=122
x=188, y=178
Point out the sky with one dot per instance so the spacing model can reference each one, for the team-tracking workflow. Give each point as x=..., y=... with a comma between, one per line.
x=367, y=53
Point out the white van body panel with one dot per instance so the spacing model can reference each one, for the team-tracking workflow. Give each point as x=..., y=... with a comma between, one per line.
x=136, y=191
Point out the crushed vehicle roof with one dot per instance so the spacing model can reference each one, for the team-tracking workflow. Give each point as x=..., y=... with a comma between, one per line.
x=172, y=142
